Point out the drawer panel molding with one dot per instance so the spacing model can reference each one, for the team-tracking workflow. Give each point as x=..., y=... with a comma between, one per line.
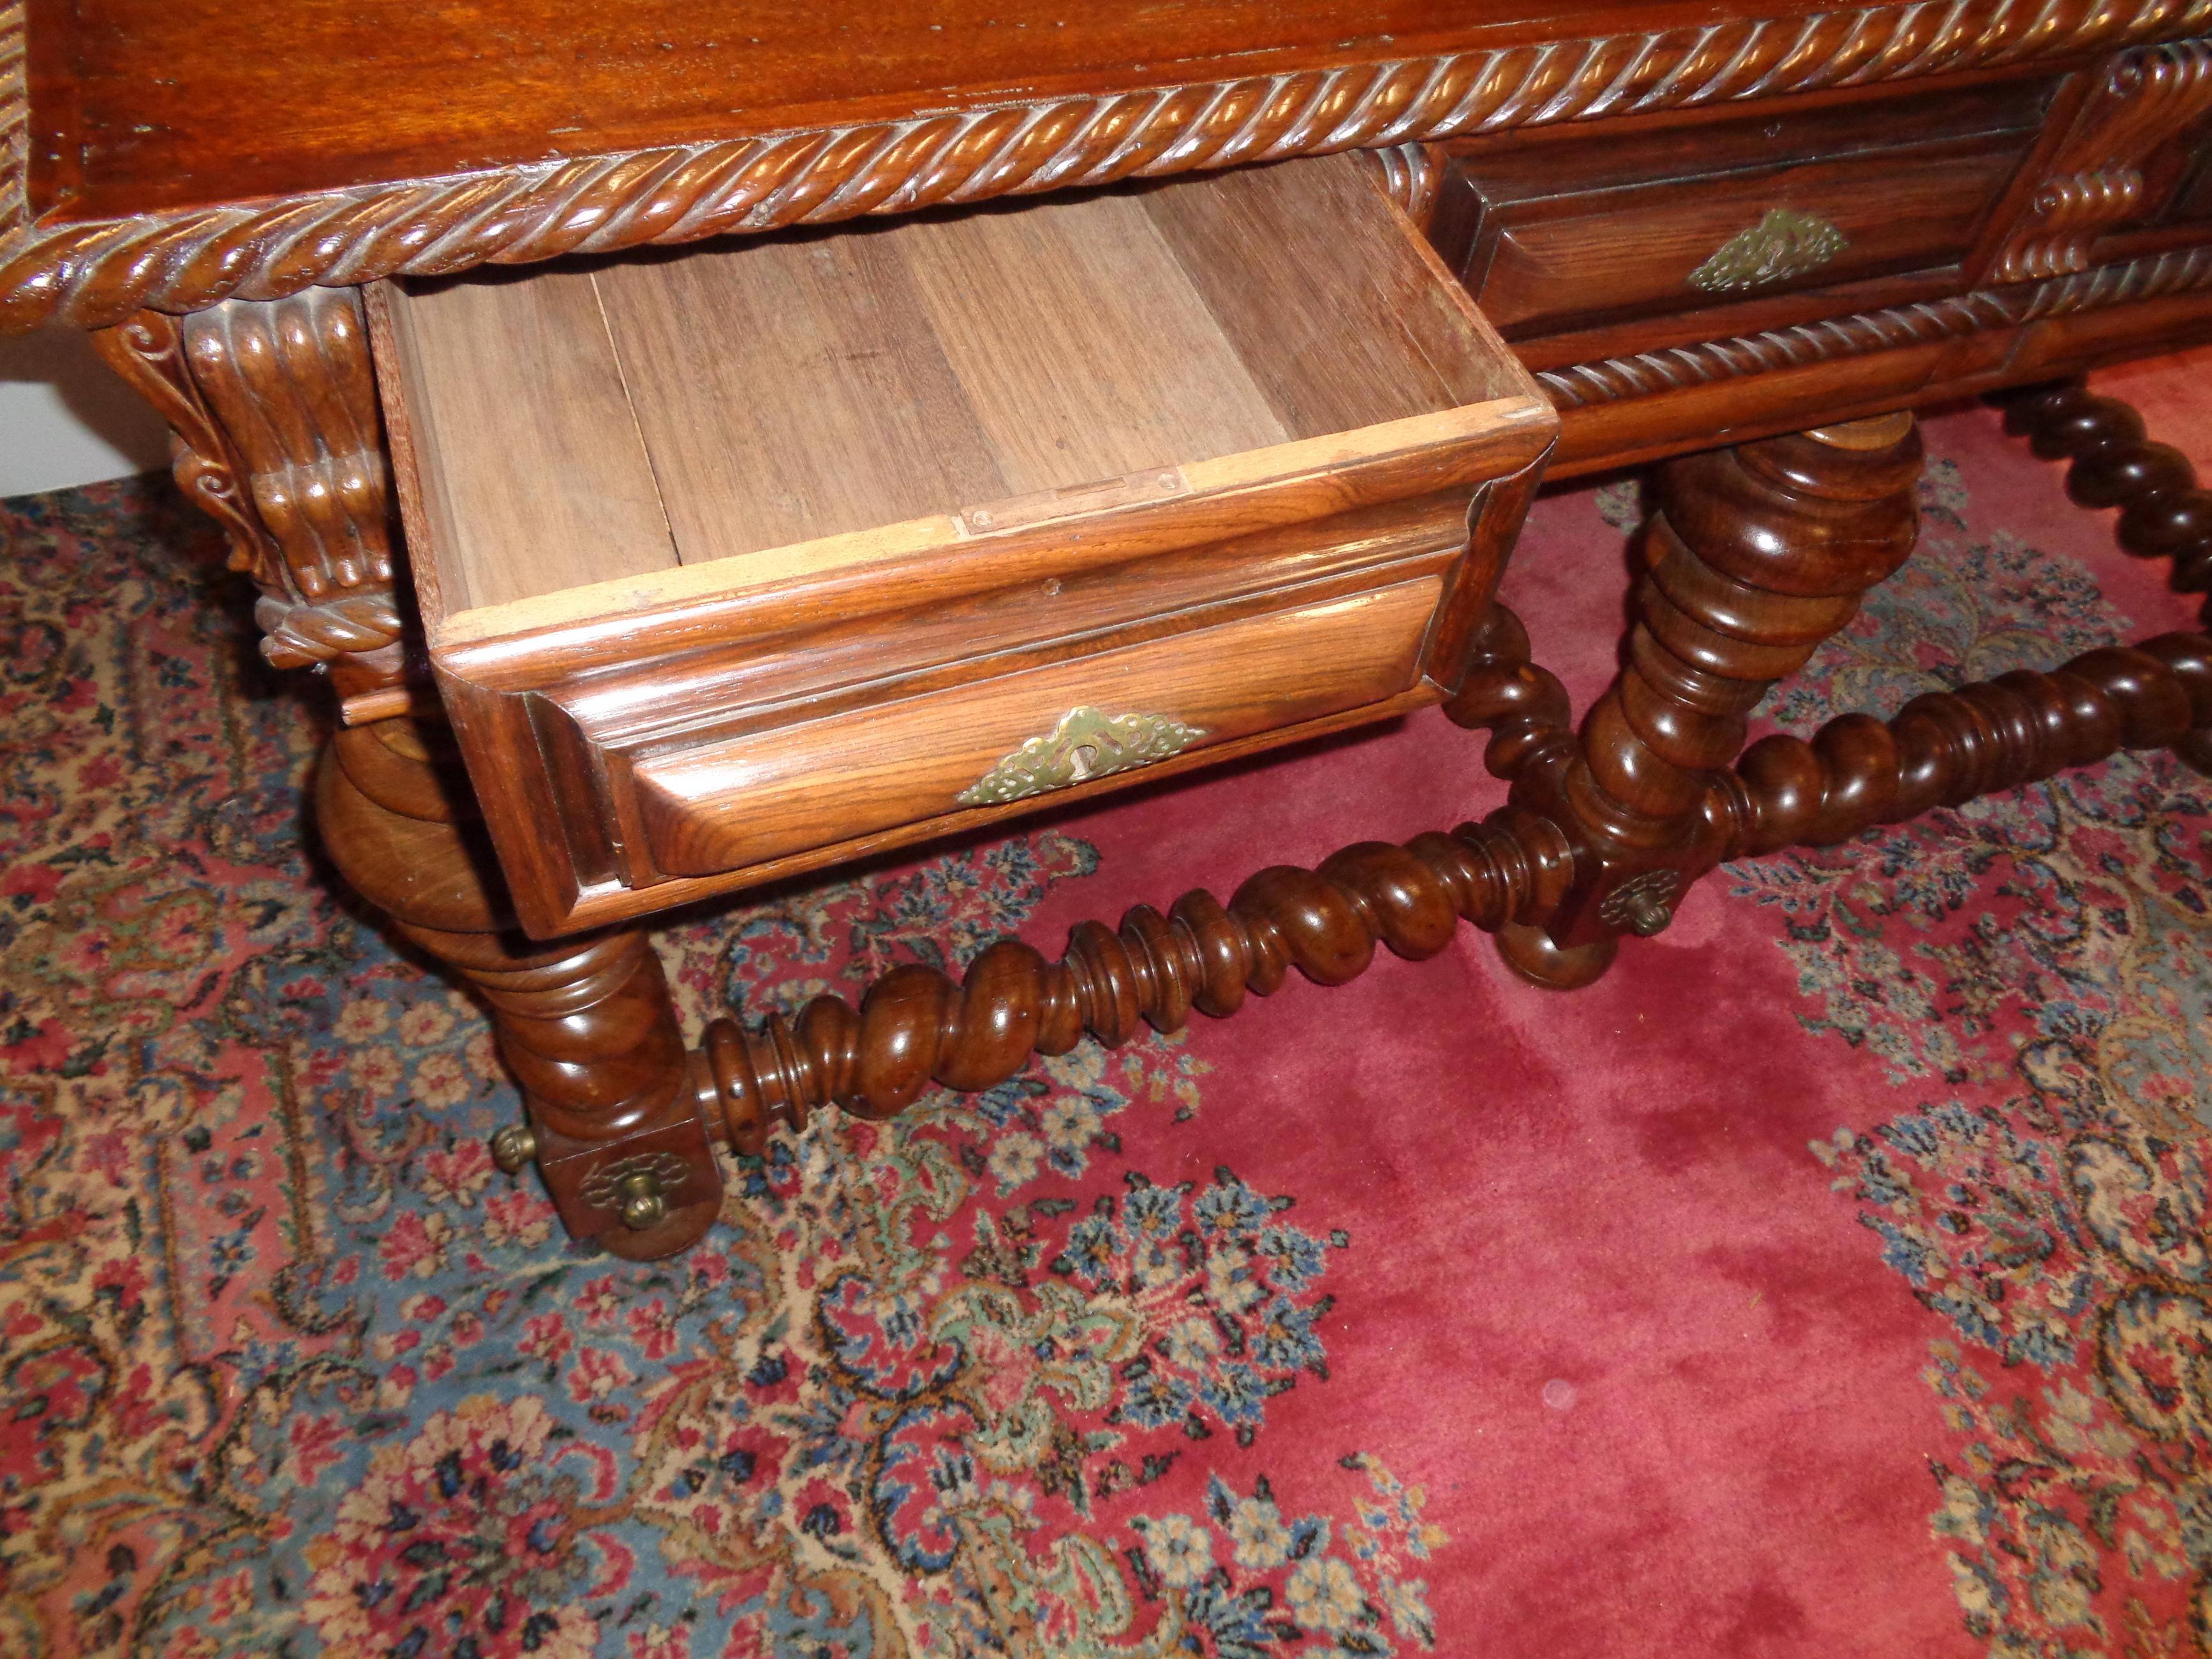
x=1674, y=368
x=1585, y=228
x=730, y=805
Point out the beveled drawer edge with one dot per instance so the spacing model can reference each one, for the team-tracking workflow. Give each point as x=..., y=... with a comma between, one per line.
x=601, y=905
x=1498, y=436
x=725, y=807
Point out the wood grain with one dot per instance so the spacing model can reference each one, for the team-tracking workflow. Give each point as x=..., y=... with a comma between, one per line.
x=1327, y=322
x=1087, y=350
x=786, y=392
x=723, y=806
x=171, y=169
x=532, y=467
x=958, y=371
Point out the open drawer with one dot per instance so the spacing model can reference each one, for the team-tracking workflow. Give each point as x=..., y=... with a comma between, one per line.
x=737, y=560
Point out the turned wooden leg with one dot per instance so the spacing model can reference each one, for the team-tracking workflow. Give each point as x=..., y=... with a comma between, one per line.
x=585, y=1024
x=2163, y=513
x=1756, y=554
x=1945, y=748
x=278, y=436
x=915, y=1026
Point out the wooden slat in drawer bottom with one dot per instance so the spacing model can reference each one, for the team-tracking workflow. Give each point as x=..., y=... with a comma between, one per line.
x=745, y=800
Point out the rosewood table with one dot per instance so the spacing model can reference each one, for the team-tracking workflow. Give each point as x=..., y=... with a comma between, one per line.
x=814, y=428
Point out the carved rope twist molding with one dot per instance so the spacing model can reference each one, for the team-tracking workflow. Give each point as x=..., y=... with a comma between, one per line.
x=94, y=274
x=15, y=122
x=296, y=635
x=1677, y=366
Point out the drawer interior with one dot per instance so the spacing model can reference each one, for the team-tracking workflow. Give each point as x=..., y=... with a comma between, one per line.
x=740, y=558
x=764, y=406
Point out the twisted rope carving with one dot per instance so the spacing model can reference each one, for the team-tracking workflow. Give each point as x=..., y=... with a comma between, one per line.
x=1756, y=555
x=2163, y=513
x=1947, y=747
x=916, y=1027
x=1526, y=712
x=2113, y=285
x=296, y=635
x=1677, y=367
x=93, y=273
x=15, y=122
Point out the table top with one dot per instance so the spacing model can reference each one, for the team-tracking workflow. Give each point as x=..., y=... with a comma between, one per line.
x=144, y=105
x=173, y=152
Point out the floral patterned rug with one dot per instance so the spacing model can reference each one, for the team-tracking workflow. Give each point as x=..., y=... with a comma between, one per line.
x=1832, y=1278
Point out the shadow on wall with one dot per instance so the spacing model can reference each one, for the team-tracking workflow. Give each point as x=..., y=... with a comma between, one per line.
x=66, y=419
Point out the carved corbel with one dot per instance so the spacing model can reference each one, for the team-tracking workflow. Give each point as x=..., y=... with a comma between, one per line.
x=272, y=408
x=149, y=351
x=2096, y=181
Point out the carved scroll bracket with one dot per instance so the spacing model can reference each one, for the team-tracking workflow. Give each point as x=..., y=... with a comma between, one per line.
x=149, y=351
x=2148, y=96
x=276, y=433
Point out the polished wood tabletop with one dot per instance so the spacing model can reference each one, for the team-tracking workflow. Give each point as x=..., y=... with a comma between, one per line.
x=142, y=106
x=172, y=154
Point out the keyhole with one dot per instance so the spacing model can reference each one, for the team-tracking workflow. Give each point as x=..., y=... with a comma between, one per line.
x=1084, y=757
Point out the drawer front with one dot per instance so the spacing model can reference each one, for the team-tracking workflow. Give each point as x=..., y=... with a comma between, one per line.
x=1682, y=212
x=1618, y=253
x=929, y=760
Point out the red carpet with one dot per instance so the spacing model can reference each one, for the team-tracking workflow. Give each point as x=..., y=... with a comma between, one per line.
x=1829, y=1279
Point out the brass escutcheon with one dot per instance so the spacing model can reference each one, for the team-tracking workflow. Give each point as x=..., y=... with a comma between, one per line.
x=1088, y=743
x=1783, y=245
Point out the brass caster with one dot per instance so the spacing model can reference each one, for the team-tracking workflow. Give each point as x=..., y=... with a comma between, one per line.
x=1644, y=905
x=513, y=1146
x=642, y=1204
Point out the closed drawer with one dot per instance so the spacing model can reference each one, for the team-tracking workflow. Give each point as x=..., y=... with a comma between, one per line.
x=736, y=560
x=1579, y=231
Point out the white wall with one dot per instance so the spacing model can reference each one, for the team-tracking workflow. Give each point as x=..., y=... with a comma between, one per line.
x=66, y=418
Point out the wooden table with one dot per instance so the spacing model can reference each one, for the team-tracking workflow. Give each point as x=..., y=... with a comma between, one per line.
x=1745, y=241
